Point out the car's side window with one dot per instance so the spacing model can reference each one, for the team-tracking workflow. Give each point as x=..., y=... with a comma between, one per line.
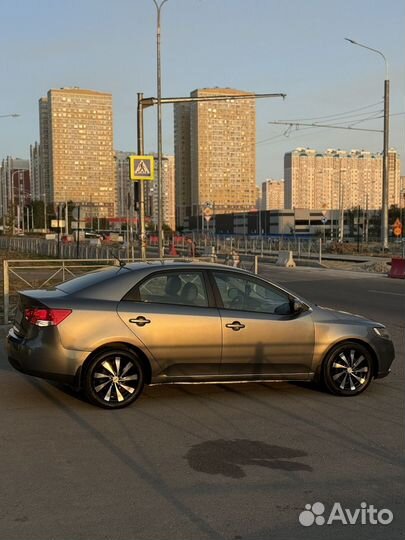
x=239, y=292
x=183, y=288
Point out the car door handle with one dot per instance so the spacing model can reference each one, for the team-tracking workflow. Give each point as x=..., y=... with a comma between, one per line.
x=236, y=325
x=140, y=321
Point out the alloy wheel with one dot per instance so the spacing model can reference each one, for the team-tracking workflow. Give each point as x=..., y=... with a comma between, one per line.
x=348, y=369
x=114, y=379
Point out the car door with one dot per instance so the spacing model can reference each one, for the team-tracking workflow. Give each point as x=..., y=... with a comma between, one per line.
x=260, y=335
x=172, y=314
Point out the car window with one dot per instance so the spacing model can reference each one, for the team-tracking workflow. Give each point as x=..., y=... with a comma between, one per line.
x=239, y=292
x=183, y=288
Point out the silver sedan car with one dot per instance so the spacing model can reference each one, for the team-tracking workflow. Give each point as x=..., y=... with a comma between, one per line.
x=112, y=331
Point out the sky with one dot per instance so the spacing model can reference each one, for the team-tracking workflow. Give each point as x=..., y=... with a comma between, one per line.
x=263, y=46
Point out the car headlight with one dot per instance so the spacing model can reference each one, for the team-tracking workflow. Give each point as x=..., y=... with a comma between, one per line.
x=381, y=331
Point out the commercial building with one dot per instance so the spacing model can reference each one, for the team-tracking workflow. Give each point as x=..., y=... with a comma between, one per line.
x=339, y=178
x=215, y=154
x=272, y=194
x=280, y=222
x=76, y=148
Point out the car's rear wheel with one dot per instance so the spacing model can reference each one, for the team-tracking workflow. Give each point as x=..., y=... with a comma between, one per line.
x=348, y=369
x=114, y=379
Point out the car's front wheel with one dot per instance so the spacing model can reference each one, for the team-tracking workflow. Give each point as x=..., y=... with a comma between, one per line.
x=114, y=379
x=348, y=369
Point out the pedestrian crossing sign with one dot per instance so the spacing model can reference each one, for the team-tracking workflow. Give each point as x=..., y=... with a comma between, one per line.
x=141, y=168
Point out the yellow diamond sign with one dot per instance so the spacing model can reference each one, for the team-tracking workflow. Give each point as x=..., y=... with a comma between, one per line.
x=141, y=168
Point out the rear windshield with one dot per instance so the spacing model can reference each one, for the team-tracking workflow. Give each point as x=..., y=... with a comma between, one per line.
x=88, y=280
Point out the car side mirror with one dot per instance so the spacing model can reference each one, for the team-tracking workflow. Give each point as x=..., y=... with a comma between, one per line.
x=297, y=307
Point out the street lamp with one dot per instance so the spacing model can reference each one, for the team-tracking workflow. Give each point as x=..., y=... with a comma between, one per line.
x=159, y=124
x=13, y=115
x=384, y=213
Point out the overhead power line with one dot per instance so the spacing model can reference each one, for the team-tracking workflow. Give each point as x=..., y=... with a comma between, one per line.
x=337, y=114
x=298, y=124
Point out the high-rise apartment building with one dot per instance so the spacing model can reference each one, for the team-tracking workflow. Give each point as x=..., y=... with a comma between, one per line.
x=77, y=148
x=44, y=148
x=182, y=152
x=168, y=192
x=125, y=186
x=215, y=153
x=272, y=194
x=337, y=178
x=258, y=197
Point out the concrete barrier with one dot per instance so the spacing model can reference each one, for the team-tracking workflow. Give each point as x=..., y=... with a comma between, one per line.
x=397, y=268
x=285, y=258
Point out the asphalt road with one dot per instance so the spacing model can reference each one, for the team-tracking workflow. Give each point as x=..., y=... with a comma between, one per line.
x=237, y=462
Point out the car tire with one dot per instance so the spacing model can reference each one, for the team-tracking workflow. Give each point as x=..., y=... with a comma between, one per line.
x=348, y=369
x=114, y=379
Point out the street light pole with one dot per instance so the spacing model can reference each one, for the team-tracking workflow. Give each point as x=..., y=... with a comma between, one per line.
x=384, y=212
x=159, y=127
x=144, y=103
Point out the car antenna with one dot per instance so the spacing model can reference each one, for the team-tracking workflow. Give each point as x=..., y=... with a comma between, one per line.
x=121, y=262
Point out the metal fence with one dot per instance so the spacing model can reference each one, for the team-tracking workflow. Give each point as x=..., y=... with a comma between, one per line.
x=22, y=274
x=310, y=248
x=50, y=248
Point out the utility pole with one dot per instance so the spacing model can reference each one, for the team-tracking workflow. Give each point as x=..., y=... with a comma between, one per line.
x=159, y=128
x=384, y=217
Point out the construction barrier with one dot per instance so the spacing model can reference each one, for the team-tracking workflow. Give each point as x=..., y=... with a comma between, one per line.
x=285, y=258
x=397, y=268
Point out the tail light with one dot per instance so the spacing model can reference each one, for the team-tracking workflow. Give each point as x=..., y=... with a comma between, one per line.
x=46, y=316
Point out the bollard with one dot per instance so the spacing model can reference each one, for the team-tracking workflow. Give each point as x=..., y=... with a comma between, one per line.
x=256, y=265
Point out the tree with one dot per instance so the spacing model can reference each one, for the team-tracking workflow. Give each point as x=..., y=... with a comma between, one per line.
x=38, y=213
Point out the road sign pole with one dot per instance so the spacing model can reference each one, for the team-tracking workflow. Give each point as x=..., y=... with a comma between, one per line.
x=140, y=149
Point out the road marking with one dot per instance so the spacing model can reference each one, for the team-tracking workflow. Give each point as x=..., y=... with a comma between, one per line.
x=385, y=292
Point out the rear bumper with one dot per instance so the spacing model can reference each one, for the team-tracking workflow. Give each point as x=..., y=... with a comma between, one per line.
x=43, y=356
